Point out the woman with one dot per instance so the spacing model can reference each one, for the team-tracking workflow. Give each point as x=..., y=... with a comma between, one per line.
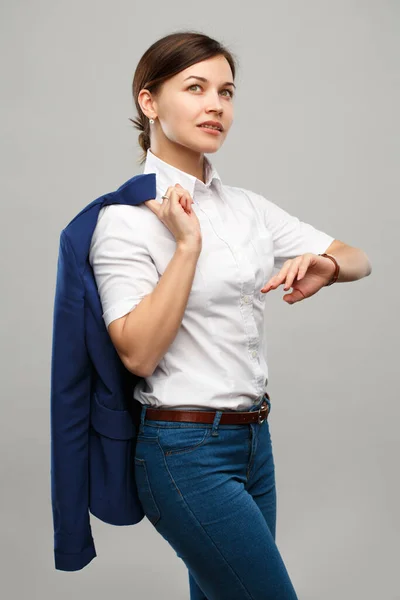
x=182, y=281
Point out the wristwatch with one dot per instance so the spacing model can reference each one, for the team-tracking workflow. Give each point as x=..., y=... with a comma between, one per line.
x=337, y=268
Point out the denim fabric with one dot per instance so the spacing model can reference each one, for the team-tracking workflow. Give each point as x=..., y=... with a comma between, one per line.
x=209, y=490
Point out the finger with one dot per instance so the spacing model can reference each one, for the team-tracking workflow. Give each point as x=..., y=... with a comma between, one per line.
x=294, y=270
x=168, y=193
x=184, y=201
x=277, y=279
x=303, y=270
x=293, y=297
x=186, y=198
x=153, y=205
x=298, y=270
x=171, y=194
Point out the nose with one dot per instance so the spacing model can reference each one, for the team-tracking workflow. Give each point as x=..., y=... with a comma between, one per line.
x=216, y=102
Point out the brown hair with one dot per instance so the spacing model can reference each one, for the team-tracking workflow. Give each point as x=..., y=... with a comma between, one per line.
x=164, y=59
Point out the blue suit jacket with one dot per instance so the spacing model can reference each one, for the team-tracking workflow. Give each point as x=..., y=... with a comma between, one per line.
x=94, y=417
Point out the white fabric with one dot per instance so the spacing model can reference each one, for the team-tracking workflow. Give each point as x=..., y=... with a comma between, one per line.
x=217, y=358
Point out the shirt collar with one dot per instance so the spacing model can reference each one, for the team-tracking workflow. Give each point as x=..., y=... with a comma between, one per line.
x=167, y=175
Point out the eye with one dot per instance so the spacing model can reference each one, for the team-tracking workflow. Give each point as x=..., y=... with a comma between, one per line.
x=198, y=85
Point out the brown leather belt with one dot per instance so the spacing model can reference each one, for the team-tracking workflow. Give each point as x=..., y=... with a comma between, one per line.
x=228, y=418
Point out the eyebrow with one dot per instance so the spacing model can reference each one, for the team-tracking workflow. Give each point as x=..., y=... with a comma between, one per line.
x=206, y=80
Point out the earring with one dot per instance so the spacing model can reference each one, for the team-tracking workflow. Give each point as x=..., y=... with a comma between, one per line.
x=151, y=121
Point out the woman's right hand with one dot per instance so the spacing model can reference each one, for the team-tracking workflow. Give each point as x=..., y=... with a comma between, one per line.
x=176, y=213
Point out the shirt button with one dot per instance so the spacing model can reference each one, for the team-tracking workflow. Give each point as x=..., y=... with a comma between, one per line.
x=254, y=353
x=246, y=299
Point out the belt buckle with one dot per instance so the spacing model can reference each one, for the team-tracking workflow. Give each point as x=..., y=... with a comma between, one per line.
x=265, y=409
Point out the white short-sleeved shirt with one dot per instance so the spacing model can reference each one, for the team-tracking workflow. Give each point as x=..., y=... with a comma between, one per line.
x=217, y=359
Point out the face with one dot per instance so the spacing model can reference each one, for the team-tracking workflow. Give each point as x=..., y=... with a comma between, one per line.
x=184, y=102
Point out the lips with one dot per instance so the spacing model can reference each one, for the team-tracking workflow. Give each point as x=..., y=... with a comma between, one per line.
x=212, y=123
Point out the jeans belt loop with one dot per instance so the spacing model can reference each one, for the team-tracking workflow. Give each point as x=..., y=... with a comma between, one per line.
x=262, y=418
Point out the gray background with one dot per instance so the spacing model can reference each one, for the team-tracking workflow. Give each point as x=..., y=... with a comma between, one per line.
x=316, y=130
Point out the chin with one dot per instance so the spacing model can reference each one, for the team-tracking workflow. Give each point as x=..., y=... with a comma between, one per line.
x=205, y=148
x=211, y=150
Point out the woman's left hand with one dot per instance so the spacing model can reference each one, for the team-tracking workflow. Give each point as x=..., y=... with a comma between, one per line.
x=306, y=274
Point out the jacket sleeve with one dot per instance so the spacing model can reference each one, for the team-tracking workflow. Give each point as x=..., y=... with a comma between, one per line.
x=70, y=410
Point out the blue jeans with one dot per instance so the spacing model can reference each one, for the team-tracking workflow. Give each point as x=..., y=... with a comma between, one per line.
x=209, y=490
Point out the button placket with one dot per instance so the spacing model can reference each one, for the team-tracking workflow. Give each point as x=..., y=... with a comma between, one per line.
x=247, y=306
x=227, y=233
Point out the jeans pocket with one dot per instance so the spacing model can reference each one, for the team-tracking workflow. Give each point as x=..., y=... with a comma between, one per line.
x=181, y=440
x=145, y=493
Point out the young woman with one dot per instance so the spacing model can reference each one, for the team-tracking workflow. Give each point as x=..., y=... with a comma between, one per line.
x=182, y=280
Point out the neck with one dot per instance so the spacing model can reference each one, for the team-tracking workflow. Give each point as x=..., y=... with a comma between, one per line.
x=181, y=158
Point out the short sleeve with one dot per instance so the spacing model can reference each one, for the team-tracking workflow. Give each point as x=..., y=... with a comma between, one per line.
x=123, y=269
x=291, y=236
